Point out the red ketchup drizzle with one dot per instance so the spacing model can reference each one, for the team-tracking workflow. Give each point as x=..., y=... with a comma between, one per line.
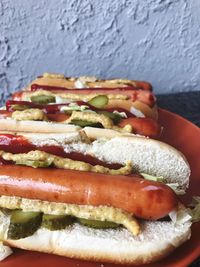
x=18, y=144
x=15, y=144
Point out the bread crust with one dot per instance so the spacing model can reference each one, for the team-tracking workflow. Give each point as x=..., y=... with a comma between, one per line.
x=36, y=126
x=111, y=246
x=147, y=155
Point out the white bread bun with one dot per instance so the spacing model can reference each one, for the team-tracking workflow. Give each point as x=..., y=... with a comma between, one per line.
x=55, y=139
x=147, y=155
x=39, y=127
x=93, y=133
x=96, y=133
x=156, y=241
x=36, y=126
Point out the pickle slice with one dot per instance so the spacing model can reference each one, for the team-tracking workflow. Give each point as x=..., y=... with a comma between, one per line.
x=34, y=163
x=56, y=222
x=19, y=107
x=99, y=101
x=116, y=118
x=98, y=224
x=83, y=123
x=23, y=224
x=43, y=99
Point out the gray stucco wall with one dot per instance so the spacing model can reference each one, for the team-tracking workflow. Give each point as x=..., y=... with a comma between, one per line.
x=154, y=40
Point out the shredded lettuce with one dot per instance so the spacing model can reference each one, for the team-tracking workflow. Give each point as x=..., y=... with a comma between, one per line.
x=190, y=215
x=181, y=216
x=5, y=251
x=153, y=177
x=176, y=188
x=195, y=209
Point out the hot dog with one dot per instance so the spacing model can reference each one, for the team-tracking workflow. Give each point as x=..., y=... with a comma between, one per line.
x=57, y=80
x=145, y=97
x=52, y=117
x=133, y=93
x=145, y=199
x=23, y=181
x=136, y=94
x=142, y=126
x=96, y=195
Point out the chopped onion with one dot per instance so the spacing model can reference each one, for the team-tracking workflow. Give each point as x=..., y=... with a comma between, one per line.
x=80, y=84
x=137, y=112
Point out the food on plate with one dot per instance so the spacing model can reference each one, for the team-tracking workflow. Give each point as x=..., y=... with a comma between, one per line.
x=59, y=80
x=118, y=105
x=62, y=192
x=78, y=167
x=100, y=119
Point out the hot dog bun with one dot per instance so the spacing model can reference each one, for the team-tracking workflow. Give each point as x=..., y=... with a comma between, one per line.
x=166, y=161
x=145, y=126
x=72, y=82
x=156, y=241
x=59, y=80
x=36, y=126
x=147, y=155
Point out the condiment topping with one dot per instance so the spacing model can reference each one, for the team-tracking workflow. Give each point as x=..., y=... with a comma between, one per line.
x=39, y=158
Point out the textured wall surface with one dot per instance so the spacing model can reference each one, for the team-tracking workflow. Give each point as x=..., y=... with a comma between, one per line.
x=156, y=40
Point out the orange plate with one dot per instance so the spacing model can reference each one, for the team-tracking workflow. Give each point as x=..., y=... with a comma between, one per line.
x=183, y=135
